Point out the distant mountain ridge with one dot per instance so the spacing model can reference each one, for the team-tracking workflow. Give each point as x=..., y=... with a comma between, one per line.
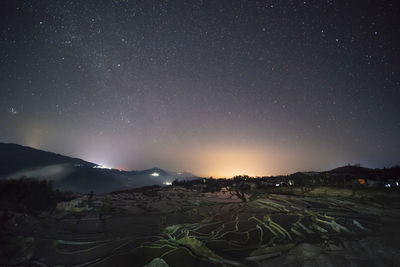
x=14, y=157
x=357, y=170
x=351, y=169
x=73, y=174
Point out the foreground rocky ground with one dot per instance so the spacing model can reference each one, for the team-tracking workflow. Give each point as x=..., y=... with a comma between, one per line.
x=174, y=226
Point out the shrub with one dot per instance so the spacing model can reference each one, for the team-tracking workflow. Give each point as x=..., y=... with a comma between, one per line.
x=30, y=195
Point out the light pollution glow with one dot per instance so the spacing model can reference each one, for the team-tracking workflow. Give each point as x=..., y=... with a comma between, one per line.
x=227, y=160
x=220, y=158
x=207, y=88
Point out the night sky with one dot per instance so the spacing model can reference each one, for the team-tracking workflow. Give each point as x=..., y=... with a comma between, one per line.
x=211, y=87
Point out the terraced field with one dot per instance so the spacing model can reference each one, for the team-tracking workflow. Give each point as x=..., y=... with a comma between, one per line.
x=180, y=227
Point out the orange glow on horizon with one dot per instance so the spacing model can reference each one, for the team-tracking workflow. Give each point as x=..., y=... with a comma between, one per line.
x=227, y=162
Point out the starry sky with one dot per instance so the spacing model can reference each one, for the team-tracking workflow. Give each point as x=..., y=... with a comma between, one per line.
x=216, y=88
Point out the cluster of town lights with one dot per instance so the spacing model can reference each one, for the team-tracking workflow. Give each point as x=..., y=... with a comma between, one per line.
x=389, y=185
x=102, y=167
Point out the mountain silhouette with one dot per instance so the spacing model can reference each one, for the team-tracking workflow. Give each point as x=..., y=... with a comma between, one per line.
x=73, y=174
x=15, y=157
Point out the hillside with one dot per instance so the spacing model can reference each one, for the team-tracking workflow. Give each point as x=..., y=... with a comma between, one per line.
x=73, y=174
x=15, y=157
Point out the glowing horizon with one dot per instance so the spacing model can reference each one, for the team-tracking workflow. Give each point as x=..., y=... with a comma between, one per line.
x=214, y=90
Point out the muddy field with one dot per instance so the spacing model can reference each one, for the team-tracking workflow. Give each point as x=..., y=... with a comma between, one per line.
x=174, y=226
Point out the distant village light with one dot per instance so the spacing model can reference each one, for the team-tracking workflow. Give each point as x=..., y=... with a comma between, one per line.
x=277, y=184
x=101, y=167
x=155, y=174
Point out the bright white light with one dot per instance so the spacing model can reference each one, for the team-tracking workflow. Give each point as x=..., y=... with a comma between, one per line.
x=155, y=174
x=277, y=184
x=167, y=183
x=387, y=185
x=102, y=167
x=397, y=183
